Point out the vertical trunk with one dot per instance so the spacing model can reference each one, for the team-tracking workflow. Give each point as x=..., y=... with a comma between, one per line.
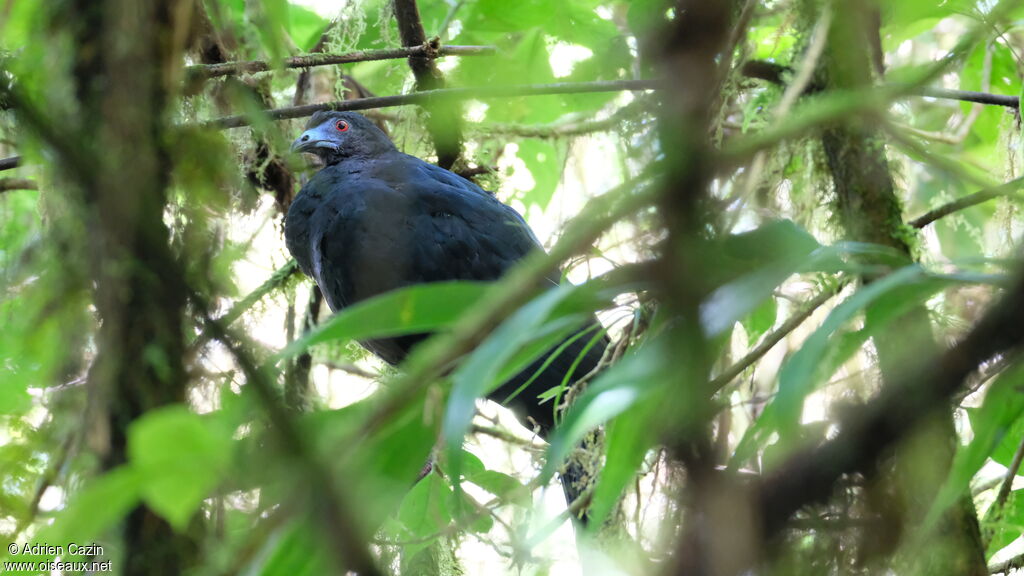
x=443, y=120
x=870, y=211
x=126, y=59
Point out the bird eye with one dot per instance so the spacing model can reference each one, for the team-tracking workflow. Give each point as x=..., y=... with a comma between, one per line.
x=341, y=125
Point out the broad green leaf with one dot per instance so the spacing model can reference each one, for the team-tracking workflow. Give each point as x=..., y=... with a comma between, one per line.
x=305, y=26
x=545, y=161
x=96, y=508
x=1008, y=526
x=425, y=512
x=748, y=267
x=380, y=468
x=628, y=437
x=298, y=549
x=761, y=320
x=179, y=457
x=412, y=310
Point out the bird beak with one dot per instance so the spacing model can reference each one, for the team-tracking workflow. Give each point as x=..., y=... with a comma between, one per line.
x=305, y=143
x=312, y=139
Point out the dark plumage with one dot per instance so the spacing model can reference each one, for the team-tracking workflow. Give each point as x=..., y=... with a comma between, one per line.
x=375, y=219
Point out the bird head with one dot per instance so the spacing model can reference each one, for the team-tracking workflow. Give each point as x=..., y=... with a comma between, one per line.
x=335, y=136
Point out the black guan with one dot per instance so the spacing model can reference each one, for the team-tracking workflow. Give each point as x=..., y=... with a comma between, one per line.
x=374, y=219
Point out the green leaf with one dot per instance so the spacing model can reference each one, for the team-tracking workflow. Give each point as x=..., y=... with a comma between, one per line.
x=381, y=467
x=749, y=266
x=412, y=310
x=478, y=374
x=1003, y=406
x=544, y=160
x=305, y=26
x=1008, y=527
x=294, y=551
x=761, y=320
x=179, y=457
x=631, y=381
x=628, y=437
x=426, y=511
x=96, y=508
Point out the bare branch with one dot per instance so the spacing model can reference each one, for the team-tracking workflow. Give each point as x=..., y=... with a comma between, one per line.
x=478, y=93
x=777, y=73
x=426, y=51
x=10, y=163
x=774, y=338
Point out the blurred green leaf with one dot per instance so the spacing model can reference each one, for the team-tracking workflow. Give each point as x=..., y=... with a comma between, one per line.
x=179, y=457
x=96, y=507
x=629, y=382
x=293, y=550
x=425, y=512
x=761, y=320
x=412, y=310
x=628, y=437
x=1003, y=405
x=305, y=26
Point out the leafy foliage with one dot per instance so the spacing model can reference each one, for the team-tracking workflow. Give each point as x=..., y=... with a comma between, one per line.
x=424, y=464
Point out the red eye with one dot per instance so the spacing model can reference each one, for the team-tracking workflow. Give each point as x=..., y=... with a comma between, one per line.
x=341, y=125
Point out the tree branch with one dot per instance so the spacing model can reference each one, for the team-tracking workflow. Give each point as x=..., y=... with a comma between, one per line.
x=1008, y=189
x=868, y=432
x=776, y=74
x=424, y=51
x=477, y=93
x=443, y=121
x=10, y=163
x=774, y=338
x=17, y=184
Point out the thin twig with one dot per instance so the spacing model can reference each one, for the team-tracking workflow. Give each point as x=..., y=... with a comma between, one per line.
x=774, y=338
x=1008, y=189
x=564, y=129
x=1011, y=474
x=427, y=50
x=776, y=74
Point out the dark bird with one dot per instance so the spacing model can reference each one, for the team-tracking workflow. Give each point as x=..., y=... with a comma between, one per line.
x=375, y=219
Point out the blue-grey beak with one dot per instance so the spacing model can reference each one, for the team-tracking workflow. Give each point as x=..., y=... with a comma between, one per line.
x=311, y=140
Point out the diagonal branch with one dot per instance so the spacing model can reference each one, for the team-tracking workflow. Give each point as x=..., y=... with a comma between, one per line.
x=1009, y=189
x=769, y=342
x=869, y=431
